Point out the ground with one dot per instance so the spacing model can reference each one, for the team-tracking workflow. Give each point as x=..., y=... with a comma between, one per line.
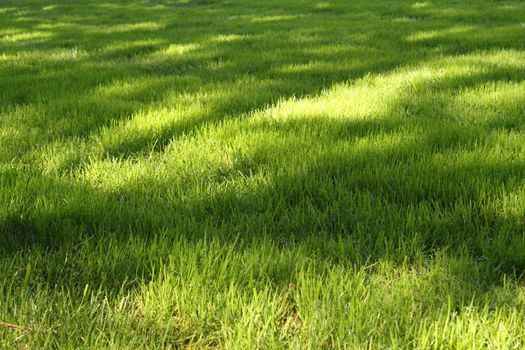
x=262, y=174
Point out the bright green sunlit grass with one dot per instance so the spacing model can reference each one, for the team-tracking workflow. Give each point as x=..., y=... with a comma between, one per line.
x=262, y=174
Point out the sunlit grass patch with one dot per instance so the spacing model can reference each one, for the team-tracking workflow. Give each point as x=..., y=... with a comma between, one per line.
x=26, y=37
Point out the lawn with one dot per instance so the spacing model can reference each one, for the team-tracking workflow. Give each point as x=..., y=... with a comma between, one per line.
x=262, y=174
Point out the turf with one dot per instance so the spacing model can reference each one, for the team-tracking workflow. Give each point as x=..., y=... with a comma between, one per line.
x=262, y=174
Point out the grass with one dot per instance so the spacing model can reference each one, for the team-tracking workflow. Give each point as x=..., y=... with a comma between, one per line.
x=262, y=174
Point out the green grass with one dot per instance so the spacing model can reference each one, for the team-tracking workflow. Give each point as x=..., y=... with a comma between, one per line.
x=262, y=174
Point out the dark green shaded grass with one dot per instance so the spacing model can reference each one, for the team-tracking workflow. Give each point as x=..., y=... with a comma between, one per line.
x=339, y=174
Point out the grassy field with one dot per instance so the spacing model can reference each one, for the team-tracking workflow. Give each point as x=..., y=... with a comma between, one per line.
x=262, y=174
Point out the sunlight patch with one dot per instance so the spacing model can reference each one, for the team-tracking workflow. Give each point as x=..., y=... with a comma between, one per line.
x=496, y=103
x=180, y=49
x=433, y=34
x=275, y=18
x=28, y=36
x=420, y=5
x=323, y=6
x=228, y=38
